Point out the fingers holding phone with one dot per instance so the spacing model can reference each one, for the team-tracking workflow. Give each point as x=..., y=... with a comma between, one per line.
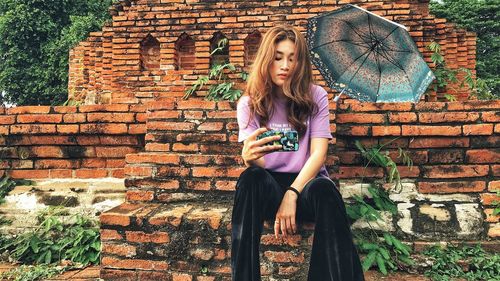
x=254, y=149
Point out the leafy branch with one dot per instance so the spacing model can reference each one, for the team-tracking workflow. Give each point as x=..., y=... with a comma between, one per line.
x=222, y=89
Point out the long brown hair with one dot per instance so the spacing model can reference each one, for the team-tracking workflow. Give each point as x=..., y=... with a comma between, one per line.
x=296, y=89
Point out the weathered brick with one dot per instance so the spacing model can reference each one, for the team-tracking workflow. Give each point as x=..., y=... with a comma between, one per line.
x=142, y=237
x=123, y=250
x=451, y=187
x=33, y=129
x=139, y=195
x=284, y=257
x=448, y=117
x=455, y=171
x=483, y=155
x=110, y=235
x=386, y=131
x=111, y=117
x=489, y=198
x=103, y=128
x=402, y=117
x=28, y=110
x=110, y=262
x=360, y=118
x=439, y=142
x=420, y=130
x=478, y=129
x=90, y=173
x=217, y=172
x=39, y=118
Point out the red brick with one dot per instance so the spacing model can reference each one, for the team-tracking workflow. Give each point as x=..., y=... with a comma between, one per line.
x=93, y=163
x=217, y=172
x=181, y=277
x=104, y=107
x=291, y=240
x=371, y=106
x=47, y=151
x=4, y=130
x=455, y=171
x=201, y=137
x=90, y=173
x=451, y=187
x=222, y=114
x=67, y=129
x=352, y=130
x=360, y=118
x=110, y=262
x=198, y=185
x=60, y=173
x=142, y=237
x=284, y=257
x=489, y=198
x=193, y=147
x=439, y=142
x=483, y=156
x=474, y=105
x=75, y=118
x=225, y=185
x=196, y=159
x=8, y=119
x=170, y=114
x=448, y=117
x=490, y=217
x=29, y=174
x=193, y=114
x=211, y=126
x=33, y=129
x=164, y=171
x=118, y=275
x=478, y=129
x=117, y=173
x=496, y=170
x=115, y=163
x=288, y=270
x=153, y=275
x=157, y=158
x=28, y=109
x=137, y=129
x=110, y=235
x=139, y=195
x=386, y=131
x=170, y=126
x=58, y=164
x=123, y=250
x=357, y=172
x=195, y=104
x=114, y=152
x=65, y=109
x=491, y=116
x=402, y=117
x=39, y=118
x=419, y=130
x=494, y=186
x=110, y=129
x=138, y=171
x=111, y=117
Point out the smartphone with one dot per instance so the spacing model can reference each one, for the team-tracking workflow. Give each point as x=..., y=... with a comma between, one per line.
x=289, y=140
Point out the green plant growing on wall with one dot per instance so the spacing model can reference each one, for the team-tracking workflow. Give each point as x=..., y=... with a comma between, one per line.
x=496, y=205
x=223, y=88
x=54, y=239
x=471, y=263
x=446, y=76
x=382, y=249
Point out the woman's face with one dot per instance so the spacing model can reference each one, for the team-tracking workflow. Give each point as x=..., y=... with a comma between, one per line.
x=283, y=62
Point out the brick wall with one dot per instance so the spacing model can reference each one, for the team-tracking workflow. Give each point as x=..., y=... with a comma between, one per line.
x=112, y=66
x=176, y=221
x=89, y=141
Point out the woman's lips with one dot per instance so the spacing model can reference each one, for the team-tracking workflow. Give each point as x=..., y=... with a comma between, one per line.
x=282, y=76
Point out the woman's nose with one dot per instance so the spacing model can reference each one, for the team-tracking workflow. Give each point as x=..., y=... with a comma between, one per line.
x=285, y=64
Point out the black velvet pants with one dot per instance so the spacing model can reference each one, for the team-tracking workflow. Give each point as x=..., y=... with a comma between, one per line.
x=258, y=196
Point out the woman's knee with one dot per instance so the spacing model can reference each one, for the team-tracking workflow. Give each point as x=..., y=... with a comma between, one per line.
x=322, y=188
x=252, y=174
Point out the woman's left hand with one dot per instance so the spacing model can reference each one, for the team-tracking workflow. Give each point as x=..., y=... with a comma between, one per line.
x=285, y=217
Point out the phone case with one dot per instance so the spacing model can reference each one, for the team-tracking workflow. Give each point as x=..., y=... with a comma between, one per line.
x=289, y=139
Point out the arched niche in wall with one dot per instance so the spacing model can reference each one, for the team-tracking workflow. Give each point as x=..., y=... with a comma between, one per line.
x=150, y=53
x=221, y=56
x=252, y=43
x=184, y=56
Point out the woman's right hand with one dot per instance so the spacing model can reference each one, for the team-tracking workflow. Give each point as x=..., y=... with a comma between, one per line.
x=254, y=149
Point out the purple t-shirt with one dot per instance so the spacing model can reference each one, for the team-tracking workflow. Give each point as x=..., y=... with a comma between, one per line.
x=318, y=126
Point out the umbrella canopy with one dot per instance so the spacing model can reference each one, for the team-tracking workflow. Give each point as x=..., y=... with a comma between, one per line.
x=367, y=56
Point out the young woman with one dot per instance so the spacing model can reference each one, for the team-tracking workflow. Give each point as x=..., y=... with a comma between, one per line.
x=288, y=186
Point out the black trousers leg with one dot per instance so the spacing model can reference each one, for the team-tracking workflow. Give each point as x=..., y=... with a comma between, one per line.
x=334, y=256
x=257, y=198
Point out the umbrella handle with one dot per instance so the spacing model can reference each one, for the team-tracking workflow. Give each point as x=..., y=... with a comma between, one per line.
x=336, y=99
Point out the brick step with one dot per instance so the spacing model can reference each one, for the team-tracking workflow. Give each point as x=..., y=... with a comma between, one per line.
x=189, y=238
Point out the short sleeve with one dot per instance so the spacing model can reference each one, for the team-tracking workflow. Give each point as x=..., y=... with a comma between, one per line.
x=245, y=125
x=320, y=122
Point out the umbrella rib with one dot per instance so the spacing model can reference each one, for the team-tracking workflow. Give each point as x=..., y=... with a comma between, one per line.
x=379, y=74
x=398, y=66
x=360, y=66
x=362, y=36
x=369, y=50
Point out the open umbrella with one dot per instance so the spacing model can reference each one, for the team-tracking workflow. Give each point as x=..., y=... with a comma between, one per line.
x=367, y=56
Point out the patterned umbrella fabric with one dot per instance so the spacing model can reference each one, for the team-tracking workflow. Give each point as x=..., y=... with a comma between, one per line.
x=367, y=56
